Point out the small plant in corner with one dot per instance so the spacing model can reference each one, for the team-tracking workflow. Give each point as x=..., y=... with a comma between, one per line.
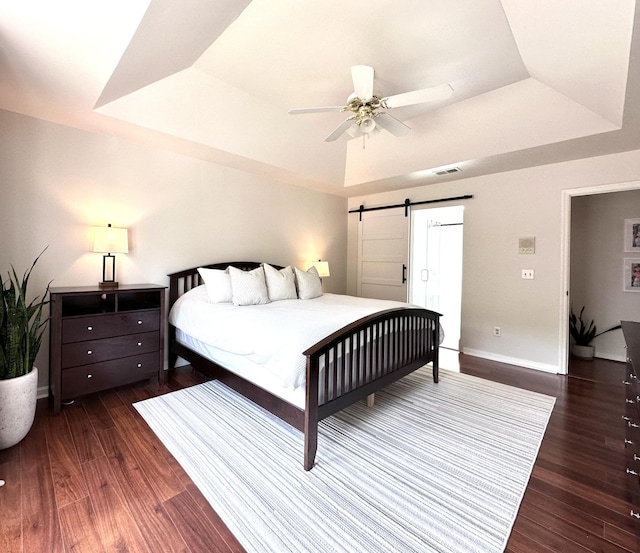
x=21, y=325
x=583, y=334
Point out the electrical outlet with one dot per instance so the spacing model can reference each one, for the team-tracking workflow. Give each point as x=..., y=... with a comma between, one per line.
x=527, y=274
x=497, y=331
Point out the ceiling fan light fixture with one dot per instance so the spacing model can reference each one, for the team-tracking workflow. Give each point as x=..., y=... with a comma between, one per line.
x=367, y=124
x=363, y=103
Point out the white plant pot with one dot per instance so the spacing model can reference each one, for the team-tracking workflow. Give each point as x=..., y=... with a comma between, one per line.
x=582, y=352
x=18, y=398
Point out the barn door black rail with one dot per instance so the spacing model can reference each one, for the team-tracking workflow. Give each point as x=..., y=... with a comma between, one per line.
x=407, y=204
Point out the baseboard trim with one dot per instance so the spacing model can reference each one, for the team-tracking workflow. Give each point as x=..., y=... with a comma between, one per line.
x=526, y=363
x=619, y=358
x=43, y=392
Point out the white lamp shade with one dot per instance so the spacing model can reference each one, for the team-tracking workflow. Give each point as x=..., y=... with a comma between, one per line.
x=110, y=240
x=368, y=125
x=322, y=267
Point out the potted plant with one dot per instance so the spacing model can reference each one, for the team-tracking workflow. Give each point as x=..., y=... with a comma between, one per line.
x=583, y=334
x=21, y=330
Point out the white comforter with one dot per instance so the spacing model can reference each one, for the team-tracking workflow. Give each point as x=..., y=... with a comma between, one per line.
x=273, y=335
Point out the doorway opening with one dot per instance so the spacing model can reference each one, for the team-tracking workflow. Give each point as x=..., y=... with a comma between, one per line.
x=565, y=245
x=435, y=279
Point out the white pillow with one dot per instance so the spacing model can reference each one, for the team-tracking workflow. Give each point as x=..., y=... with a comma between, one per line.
x=248, y=287
x=281, y=285
x=218, y=284
x=309, y=283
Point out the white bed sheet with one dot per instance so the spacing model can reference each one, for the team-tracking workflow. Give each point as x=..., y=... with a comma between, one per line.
x=273, y=335
x=245, y=368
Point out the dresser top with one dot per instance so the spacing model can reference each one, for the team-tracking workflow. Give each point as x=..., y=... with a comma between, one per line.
x=98, y=289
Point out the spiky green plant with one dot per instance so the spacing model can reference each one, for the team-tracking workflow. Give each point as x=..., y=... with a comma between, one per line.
x=21, y=325
x=582, y=333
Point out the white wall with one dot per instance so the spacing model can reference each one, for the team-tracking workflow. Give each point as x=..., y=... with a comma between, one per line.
x=507, y=206
x=597, y=254
x=181, y=212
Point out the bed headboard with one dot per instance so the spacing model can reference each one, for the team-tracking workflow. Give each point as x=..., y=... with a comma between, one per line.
x=183, y=281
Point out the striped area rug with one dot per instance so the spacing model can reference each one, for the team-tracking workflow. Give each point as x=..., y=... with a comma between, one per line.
x=431, y=468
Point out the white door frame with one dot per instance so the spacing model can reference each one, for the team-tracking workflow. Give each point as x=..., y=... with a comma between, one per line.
x=412, y=267
x=565, y=258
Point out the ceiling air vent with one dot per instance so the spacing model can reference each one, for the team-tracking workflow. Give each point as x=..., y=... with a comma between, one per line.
x=447, y=171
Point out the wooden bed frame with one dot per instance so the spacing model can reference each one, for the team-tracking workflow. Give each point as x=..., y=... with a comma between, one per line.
x=378, y=350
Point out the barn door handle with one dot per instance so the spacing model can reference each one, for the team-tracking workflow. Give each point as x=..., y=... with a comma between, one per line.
x=404, y=273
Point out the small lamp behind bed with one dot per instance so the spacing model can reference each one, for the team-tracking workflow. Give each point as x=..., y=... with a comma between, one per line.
x=322, y=267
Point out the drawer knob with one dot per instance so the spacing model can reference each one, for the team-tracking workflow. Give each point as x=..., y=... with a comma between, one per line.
x=139, y=365
x=629, y=400
x=139, y=343
x=626, y=383
x=630, y=471
x=89, y=376
x=628, y=442
x=139, y=322
x=89, y=352
x=89, y=328
x=635, y=515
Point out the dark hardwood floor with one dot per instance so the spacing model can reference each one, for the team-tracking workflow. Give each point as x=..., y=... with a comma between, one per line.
x=96, y=478
x=579, y=497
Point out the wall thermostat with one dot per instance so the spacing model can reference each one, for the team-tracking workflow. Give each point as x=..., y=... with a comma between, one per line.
x=527, y=244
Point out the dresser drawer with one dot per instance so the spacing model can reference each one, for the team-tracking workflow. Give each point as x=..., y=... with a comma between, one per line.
x=632, y=433
x=96, y=351
x=632, y=406
x=86, y=379
x=93, y=327
x=632, y=465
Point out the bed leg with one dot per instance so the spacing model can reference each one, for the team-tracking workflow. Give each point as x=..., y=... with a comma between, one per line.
x=371, y=399
x=310, y=447
x=311, y=413
x=436, y=352
x=173, y=357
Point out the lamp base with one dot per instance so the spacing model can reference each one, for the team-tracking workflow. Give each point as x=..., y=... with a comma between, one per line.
x=108, y=284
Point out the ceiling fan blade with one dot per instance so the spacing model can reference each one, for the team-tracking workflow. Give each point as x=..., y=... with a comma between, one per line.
x=354, y=130
x=391, y=124
x=362, y=76
x=441, y=92
x=298, y=111
x=339, y=130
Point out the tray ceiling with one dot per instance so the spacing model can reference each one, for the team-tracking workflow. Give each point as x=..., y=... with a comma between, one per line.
x=533, y=83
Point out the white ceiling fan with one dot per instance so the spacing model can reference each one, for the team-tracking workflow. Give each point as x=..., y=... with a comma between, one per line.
x=364, y=105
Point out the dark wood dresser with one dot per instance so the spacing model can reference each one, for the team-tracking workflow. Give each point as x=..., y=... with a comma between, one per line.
x=103, y=338
x=631, y=417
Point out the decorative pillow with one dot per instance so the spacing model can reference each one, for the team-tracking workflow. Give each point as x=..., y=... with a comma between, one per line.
x=281, y=285
x=309, y=283
x=218, y=284
x=248, y=287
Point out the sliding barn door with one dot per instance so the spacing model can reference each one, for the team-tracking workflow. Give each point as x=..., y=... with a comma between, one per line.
x=383, y=250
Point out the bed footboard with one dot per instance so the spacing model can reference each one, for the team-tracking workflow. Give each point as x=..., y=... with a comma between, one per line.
x=364, y=357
